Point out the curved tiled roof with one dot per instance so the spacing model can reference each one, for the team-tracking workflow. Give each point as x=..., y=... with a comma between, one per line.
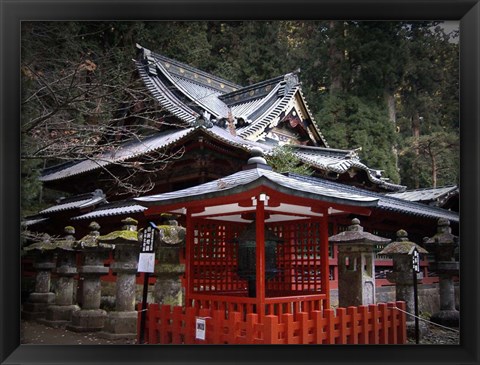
x=186, y=92
x=386, y=202
x=328, y=159
x=112, y=209
x=166, y=98
x=76, y=202
x=246, y=179
x=270, y=112
x=427, y=194
x=122, y=153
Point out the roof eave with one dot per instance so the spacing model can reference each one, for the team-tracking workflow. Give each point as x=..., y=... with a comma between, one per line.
x=261, y=181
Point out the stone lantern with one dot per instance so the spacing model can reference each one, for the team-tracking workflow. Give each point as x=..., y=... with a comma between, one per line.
x=443, y=244
x=122, y=323
x=402, y=274
x=90, y=317
x=169, y=270
x=37, y=302
x=356, y=265
x=60, y=313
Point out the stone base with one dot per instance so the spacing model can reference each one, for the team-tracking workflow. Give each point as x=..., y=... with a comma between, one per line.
x=87, y=320
x=169, y=291
x=48, y=298
x=120, y=325
x=448, y=318
x=36, y=305
x=59, y=315
x=422, y=329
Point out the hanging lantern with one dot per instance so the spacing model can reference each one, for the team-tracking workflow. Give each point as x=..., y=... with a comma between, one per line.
x=247, y=243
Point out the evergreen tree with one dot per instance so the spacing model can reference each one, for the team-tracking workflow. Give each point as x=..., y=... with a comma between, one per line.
x=283, y=159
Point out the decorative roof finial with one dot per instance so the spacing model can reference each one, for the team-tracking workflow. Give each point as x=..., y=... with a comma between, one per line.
x=257, y=157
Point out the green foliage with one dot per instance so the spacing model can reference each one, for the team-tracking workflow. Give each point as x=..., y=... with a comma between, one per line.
x=349, y=122
x=283, y=159
x=431, y=160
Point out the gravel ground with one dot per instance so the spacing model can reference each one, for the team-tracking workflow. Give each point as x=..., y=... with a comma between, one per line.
x=439, y=336
x=36, y=333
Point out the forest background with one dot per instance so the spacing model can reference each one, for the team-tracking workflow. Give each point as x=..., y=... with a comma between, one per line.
x=391, y=88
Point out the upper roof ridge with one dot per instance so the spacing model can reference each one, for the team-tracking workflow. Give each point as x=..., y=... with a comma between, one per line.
x=233, y=97
x=187, y=71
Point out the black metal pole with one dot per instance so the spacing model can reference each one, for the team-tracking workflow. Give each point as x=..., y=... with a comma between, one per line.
x=143, y=315
x=415, y=301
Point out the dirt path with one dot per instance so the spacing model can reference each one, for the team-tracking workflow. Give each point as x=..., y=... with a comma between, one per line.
x=35, y=333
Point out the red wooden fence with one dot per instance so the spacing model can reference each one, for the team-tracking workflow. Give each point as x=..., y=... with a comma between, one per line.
x=372, y=324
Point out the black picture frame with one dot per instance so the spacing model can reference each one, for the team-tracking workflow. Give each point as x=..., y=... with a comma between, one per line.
x=13, y=12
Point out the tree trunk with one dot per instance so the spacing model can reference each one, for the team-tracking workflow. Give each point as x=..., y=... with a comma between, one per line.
x=416, y=126
x=392, y=110
x=335, y=57
x=434, y=169
x=416, y=136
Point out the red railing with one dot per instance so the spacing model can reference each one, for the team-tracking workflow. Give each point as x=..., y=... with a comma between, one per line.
x=245, y=305
x=373, y=324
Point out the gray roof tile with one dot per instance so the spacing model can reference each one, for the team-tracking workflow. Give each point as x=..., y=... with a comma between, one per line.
x=426, y=195
x=387, y=202
x=246, y=179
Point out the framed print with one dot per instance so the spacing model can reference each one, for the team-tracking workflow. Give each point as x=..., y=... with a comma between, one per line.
x=197, y=202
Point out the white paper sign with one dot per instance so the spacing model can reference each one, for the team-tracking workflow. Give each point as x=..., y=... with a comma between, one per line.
x=200, y=327
x=146, y=262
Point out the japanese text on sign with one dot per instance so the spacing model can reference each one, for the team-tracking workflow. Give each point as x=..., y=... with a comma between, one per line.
x=200, y=328
x=416, y=261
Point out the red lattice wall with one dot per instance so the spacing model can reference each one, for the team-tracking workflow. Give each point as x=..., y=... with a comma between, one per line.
x=214, y=259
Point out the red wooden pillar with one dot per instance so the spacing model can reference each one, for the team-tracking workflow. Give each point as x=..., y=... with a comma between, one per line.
x=260, y=256
x=189, y=239
x=324, y=256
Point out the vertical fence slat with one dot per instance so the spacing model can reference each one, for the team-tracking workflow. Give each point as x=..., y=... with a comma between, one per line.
x=189, y=333
x=153, y=314
x=375, y=333
x=250, y=327
x=287, y=320
x=342, y=321
x=318, y=325
x=383, y=318
x=302, y=318
x=217, y=326
x=364, y=327
x=330, y=324
x=402, y=327
x=164, y=324
x=392, y=328
x=177, y=325
x=271, y=329
x=354, y=328
x=234, y=319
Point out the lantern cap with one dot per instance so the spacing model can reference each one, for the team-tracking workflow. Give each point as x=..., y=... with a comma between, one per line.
x=127, y=235
x=402, y=245
x=90, y=241
x=44, y=245
x=355, y=234
x=67, y=243
x=443, y=236
x=94, y=227
x=69, y=230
